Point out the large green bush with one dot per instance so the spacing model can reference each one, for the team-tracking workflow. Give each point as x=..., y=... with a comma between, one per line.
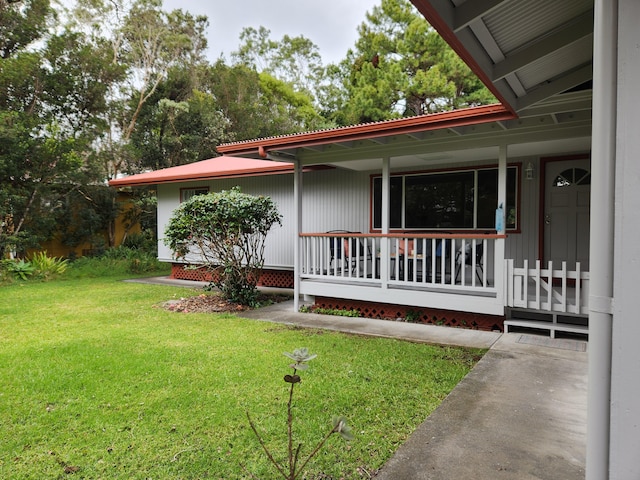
x=226, y=232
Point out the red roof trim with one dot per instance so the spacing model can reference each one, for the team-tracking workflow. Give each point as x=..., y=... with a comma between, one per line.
x=453, y=118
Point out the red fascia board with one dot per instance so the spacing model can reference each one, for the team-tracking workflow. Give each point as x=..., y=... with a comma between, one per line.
x=435, y=121
x=216, y=168
x=436, y=21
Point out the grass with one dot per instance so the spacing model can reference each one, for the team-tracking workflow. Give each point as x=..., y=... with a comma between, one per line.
x=99, y=382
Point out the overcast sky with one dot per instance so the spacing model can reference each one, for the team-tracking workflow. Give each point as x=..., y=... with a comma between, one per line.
x=330, y=24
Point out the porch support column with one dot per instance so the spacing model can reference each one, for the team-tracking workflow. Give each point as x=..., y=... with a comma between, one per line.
x=601, y=249
x=500, y=229
x=384, y=242
x=297, y=201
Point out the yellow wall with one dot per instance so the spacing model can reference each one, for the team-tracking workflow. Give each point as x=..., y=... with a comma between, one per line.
x=55, y=248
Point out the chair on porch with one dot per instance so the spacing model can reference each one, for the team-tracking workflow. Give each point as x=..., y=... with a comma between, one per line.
x=349, y=257
x=468, y=260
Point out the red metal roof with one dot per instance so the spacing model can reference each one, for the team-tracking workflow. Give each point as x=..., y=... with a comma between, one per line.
x=219, y=167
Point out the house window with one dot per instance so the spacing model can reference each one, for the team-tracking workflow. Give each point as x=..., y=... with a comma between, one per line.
x=461, y=199
x=187, y=193
x=572, y=176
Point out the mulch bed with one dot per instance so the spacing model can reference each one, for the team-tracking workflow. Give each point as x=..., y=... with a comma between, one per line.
x=214, y=303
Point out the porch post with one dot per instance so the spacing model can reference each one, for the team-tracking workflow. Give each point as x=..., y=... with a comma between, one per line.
x=603, y=164
x=499, y=250
x=384, y=242
x=625, y=328
x=297, y=200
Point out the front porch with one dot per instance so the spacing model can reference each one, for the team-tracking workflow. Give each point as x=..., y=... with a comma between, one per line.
x=455, y=272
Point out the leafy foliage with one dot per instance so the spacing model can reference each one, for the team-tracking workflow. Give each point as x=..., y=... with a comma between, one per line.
x=227, y=232
x=46, y=267
x=107, y=87
x=21, y=269
x=402, y=67
x=294, y=60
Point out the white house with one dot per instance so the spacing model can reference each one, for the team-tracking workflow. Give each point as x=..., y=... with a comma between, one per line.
x=535, y=199
x=438, y=252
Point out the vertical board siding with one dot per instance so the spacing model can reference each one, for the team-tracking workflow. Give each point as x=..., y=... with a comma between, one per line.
x=524, y=245
x=333, y=199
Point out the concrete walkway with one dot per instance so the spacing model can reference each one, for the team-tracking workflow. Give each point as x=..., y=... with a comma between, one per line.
x=519, y=414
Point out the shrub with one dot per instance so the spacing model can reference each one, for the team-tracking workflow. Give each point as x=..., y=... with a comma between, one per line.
x=144, y=241
x=115, y=261
x=227, y=231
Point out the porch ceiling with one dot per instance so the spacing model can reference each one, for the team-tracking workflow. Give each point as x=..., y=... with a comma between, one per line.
x=527, y=51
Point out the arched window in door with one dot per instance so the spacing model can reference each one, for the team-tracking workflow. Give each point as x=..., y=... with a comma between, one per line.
x=572, y=176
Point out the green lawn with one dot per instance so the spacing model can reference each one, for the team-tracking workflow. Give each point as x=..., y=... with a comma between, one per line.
x=97, y=381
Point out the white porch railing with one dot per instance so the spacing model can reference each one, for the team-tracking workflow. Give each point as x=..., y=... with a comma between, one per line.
x=547, y=289
x=459, y=262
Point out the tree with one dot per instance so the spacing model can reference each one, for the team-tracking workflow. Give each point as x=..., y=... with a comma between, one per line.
x=402, y=67
x=148, y=42
x=294, y=60
x=259, y=104
x=290, y=75
x=51, y=96
x=179, y=124
x=20, y=25
x=226, y=231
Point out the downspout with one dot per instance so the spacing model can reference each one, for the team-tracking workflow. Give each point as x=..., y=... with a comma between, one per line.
x=601, y=258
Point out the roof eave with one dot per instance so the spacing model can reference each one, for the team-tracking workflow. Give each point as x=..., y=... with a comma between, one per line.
x=449, y=119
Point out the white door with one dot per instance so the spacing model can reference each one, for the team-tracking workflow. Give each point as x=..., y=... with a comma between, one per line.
x=566, y=215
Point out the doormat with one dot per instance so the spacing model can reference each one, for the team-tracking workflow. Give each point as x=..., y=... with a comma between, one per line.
x=560, y=343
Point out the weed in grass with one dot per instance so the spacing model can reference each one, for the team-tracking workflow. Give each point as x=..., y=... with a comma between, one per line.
x=329, y=311
x=47, y=267
x=292, y=470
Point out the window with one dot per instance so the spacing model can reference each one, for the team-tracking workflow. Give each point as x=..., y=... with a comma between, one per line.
x=572, y=176
x=464, y=199
x=187, y=193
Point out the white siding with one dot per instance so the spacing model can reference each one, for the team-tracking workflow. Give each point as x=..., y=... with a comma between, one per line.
x=333, y=200
x=524, y=245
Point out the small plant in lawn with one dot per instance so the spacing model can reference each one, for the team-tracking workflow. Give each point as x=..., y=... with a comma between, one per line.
x=292, y=469
x=47, y=267
x=19, y=268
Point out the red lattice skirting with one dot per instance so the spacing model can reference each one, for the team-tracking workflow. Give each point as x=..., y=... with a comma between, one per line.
x=449, y=318
x=269, y=278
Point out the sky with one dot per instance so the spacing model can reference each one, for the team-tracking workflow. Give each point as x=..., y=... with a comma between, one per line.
x=330, y=24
